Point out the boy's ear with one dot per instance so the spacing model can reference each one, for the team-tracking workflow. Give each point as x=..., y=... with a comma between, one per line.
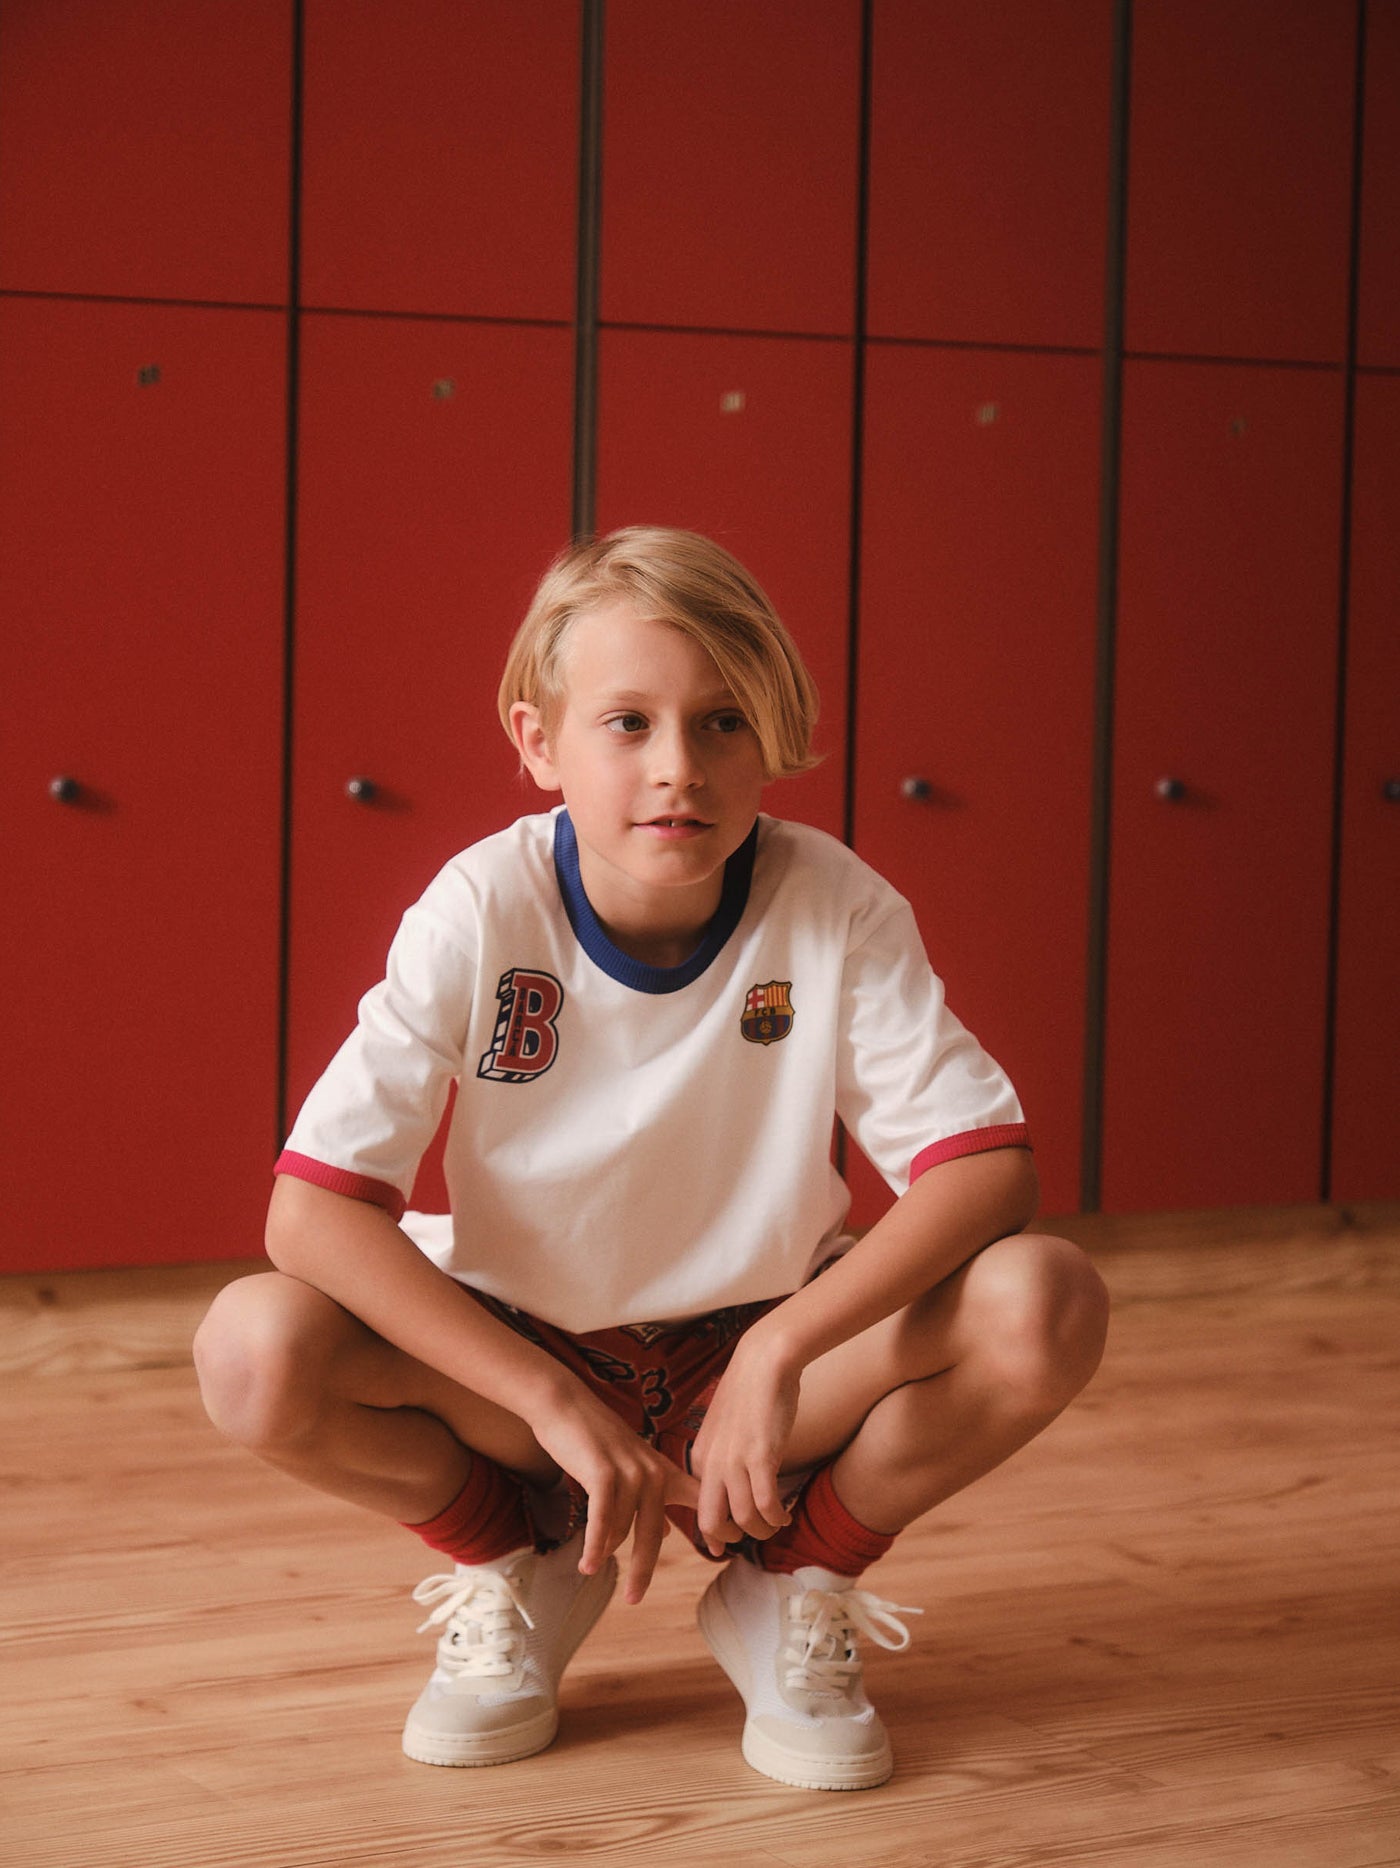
x=532, y=743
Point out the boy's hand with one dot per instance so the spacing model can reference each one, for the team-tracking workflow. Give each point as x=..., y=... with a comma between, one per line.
x=739, y=1450
x=629, y=1485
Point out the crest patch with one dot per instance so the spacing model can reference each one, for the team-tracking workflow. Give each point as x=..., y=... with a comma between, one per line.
x=768, y=1013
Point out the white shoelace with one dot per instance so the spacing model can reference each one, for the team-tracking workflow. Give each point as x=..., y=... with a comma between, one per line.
x=482, y=1610
x=822, y=1652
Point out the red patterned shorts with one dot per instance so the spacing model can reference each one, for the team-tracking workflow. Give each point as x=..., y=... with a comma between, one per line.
x=659, y=1377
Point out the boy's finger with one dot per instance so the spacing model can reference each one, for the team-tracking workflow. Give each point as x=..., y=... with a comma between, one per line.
x=682, y=1488
x=768, y=1503
x=598, y=1540
x=719, y=1517
x=648, y=1528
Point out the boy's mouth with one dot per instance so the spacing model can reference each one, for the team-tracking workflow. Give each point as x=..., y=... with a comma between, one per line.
x=675, y=823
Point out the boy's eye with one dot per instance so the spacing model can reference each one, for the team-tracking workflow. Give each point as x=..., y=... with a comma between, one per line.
x=626, y=723
x=729, y=723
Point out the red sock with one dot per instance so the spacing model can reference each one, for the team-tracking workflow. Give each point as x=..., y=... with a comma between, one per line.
x=824, y=1533
x=484, y=1521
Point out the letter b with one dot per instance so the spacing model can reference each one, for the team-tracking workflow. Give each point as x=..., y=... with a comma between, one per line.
x=526, y=1041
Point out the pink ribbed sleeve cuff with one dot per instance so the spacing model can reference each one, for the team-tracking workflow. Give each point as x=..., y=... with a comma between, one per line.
x=972, y=1142
x=337, y=1180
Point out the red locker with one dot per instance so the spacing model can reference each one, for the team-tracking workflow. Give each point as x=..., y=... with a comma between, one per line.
x=975, y=719
x=1378, y=307
x=434, y=487
x=1240, y=178
x=145, y=148
x=989, y=165
x=440, y=156
x=1366, y=1107
x=1223, y=785
x=731, y=164
x=747, y=439
x=141, y=580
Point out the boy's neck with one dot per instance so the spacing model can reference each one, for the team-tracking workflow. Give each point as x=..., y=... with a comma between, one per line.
x=668, y=949
x=658, y=928
x=651, y=939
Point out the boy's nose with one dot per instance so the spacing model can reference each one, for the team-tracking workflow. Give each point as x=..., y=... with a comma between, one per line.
x=676, y=761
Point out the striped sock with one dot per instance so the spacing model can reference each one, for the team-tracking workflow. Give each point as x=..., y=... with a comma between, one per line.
x=824, y=1533
x=485, y=1520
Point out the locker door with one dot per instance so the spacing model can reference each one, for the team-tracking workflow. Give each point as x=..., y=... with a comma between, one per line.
x=1366, y=1108
x=1378, y=308
x=1240, y=158
x=440, y=149
x=975, y=719
x=749, y=441
x=145, y=148
x=434, y=487
x=141, y=580
x=1223, y=785
x=730, y=164
x=989, y=167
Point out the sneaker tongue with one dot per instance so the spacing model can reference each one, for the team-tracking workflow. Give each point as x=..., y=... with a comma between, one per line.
x=501, y=1565
x=811, y=1577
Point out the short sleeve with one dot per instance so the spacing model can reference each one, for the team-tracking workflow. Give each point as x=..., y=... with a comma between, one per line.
x=369, y=1119
x=914, y=1087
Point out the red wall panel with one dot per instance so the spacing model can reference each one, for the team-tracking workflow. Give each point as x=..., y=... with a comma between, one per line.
x=141, y=579
x=731, y=164
x=434, y=487
x=1239, y=178
x=1378, y=306
x=440, y=148
x=1226, y=682
x=989, y=168
x=979, y=560
x=1366, y=1110
x=145, y=148
x=747, y=439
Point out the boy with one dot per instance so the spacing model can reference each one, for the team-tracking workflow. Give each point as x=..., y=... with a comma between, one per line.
x=654, y=1002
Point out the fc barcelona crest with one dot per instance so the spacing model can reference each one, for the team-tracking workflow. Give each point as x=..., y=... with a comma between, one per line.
x=768, y=1012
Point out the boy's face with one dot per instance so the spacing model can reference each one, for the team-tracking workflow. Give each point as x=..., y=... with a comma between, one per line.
x=660, y=770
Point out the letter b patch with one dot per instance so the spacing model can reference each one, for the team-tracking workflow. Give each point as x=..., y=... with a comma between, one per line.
x=526, y=1042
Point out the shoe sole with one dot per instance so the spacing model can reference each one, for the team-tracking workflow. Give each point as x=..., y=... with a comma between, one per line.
x=510, y=1743
x=463, y=1750
x=765, y=1753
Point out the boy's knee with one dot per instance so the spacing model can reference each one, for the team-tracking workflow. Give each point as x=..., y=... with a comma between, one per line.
x=255, y=1357
x=1049, y=1317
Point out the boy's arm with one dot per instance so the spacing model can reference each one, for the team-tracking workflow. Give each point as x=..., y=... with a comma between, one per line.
x=354, y=1252
x=931, y=1231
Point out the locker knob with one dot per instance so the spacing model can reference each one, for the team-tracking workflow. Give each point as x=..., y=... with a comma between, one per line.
x=66, y=790
x=363, y=790
x=1390, y=791
x=919, y=789
x=1170, y=790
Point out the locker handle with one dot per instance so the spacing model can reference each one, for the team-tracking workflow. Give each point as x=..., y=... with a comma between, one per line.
x=1170, y=790
x=65, y=790
x=919, y=789
x=363, y=790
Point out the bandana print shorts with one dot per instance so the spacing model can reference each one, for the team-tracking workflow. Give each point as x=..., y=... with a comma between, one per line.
x=659, y=1377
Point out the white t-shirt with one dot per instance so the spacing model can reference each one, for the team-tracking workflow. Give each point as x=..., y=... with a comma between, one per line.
x=631, y=1142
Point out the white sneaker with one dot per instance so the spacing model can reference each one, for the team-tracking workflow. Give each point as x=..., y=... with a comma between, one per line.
x=509, y=1629
x=790, y=1645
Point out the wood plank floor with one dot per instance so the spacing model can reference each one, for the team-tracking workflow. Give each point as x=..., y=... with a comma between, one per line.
x=1166, y=1636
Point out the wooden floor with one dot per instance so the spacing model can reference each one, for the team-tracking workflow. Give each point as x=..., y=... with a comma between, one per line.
x=1166, y=1636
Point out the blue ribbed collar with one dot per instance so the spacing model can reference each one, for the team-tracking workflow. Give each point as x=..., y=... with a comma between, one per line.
x=588, y=930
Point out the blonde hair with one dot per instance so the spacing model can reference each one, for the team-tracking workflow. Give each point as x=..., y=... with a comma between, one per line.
x=690, y=582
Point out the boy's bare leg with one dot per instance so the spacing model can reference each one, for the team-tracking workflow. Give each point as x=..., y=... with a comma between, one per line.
x=920, y=1405
x=288, y=1373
